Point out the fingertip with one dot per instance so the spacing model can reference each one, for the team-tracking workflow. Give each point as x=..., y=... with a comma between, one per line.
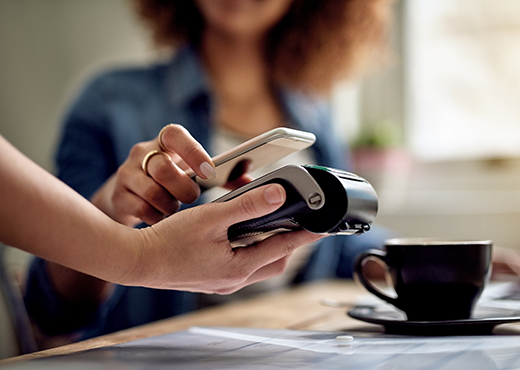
x=208, y=171
x=274, y=194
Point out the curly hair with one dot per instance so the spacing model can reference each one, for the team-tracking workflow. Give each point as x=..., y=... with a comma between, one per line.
x=312, y=46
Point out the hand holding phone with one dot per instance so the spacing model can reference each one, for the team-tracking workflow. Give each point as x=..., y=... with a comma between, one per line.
x=255, y=153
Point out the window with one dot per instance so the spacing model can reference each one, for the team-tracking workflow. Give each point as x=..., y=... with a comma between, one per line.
x=462, y=62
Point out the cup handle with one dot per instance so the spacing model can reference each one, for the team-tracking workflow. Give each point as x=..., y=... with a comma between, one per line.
x=359, y=275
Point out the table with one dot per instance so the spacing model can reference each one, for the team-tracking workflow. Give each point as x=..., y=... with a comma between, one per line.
x=297, y=308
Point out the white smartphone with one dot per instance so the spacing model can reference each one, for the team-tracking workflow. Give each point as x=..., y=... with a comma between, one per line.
x=257, y=152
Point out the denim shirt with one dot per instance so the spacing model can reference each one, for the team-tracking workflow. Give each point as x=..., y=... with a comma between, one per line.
x=122, y=107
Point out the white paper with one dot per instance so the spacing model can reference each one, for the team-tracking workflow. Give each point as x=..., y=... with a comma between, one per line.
x=246, y=348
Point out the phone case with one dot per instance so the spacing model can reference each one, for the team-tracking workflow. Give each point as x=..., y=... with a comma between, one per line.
x=320, y=199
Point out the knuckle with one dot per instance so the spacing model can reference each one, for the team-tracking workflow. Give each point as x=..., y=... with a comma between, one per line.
x=288, y=245
x=173, y=131
x=124, y=172
x=248, y=205
x=161, y=169
x=280, y=266
x=240, y=274
x=165, y=175
x=180, y=137
x=138, y=150
x=234, y=277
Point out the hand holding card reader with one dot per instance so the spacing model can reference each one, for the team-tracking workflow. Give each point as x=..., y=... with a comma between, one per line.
x=321, y=200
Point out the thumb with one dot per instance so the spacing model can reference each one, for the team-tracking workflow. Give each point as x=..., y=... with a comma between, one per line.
x=252, y=204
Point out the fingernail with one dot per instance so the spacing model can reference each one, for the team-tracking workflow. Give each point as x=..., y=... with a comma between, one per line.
x=208, y=171
x=274, y=195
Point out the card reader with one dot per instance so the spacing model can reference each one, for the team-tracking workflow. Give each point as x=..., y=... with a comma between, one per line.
x=319, y=199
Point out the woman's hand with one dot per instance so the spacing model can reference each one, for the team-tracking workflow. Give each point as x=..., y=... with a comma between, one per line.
x=134, y=194
x=190, y=250
x=505, y=263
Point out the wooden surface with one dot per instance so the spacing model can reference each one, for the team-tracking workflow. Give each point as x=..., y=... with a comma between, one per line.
x=298, y=308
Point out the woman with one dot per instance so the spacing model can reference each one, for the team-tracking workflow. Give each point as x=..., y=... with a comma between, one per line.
x=240, y=68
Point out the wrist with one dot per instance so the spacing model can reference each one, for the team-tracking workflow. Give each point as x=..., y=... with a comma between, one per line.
x=136, y=249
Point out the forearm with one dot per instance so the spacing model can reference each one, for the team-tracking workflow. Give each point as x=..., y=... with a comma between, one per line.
x=43, y=216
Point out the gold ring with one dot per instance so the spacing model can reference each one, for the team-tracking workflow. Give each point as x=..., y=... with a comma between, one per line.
x=149, y=156
x=159, y=138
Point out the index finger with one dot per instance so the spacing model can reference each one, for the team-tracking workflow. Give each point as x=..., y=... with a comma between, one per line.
x=175, y=138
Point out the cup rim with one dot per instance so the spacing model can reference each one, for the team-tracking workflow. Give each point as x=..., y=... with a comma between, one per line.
x=419, y=241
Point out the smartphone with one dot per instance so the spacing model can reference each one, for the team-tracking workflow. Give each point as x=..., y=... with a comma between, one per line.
x=255, y=153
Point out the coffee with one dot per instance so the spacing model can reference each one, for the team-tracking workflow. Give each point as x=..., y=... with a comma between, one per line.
x=433, y=279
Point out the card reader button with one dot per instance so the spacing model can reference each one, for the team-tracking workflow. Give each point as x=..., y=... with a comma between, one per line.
x=315, y=199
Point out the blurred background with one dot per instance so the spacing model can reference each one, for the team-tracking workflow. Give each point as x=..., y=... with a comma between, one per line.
x=437, y=130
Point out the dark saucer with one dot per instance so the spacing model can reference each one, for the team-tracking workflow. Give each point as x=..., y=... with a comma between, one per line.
x=483, y=320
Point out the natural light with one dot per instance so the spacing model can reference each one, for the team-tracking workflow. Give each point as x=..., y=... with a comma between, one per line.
x=463, y=74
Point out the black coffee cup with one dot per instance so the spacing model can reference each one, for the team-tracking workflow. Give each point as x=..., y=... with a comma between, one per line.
x=433, y=280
